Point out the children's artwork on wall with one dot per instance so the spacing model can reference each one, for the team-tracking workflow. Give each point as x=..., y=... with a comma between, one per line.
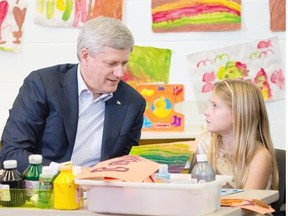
x=160, y=113
x=277, y=15
x=196, y=15
x=12, y=17
x=148, y=65
x=258, y=61
x=73, y=13
x=175, y=155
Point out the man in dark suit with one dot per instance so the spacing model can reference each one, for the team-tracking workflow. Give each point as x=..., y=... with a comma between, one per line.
x=80, y=112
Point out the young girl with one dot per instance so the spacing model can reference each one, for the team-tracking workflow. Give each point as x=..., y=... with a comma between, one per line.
x=238, y=141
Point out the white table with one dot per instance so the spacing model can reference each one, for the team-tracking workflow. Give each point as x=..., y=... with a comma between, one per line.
x=268, y=196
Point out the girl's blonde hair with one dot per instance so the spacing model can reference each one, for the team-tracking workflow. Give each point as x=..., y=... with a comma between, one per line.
x=250, y=127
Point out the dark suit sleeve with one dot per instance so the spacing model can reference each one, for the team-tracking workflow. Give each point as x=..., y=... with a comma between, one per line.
x=26, y=120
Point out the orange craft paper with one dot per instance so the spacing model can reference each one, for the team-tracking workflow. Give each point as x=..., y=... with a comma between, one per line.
x=245, y=204
x=277, y=15
x=126, y=168
x=258, y=209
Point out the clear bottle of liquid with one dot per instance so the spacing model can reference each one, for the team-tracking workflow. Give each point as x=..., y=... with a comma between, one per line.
x=31, y=175
x=202, y=172
x=66, y=193
x=11, y=185
x=45, y=198
x=163, y=175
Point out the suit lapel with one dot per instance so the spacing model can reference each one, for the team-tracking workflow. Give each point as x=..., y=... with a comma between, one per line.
x=115, y=112
x=68, y=94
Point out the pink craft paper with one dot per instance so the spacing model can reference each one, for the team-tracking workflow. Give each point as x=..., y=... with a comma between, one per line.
x=126, y=168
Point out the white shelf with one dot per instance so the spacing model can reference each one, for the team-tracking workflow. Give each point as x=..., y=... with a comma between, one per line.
x=190, y=132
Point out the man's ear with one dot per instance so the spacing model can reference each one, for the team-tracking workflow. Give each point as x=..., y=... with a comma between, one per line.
x=84, y=55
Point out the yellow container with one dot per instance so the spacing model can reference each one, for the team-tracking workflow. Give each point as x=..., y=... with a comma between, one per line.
x=66, y=192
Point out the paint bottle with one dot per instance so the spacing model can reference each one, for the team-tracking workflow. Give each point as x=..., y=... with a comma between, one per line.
x=31, y=175
x=66, y=193
x=76, y=171
x=11, y=185
x=45, y=198
x=202, y=172
x=163, y=176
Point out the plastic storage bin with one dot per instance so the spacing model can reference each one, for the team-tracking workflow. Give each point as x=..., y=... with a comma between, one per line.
x=178, y=198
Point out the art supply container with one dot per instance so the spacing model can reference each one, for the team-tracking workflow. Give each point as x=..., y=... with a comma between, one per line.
x=66, y=193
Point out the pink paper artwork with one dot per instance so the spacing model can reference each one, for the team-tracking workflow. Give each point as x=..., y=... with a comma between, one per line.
x=73, y=13
x=258, y=61
x=12, y=17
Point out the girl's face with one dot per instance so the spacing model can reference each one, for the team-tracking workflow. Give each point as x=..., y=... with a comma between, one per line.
x=218, y=116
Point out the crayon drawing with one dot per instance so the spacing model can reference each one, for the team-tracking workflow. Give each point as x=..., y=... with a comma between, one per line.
x=195, y=15
x=258, y=61
x=148, y=65
x=160, y=113
x=73, y=13
x=175, y=155
x=12, y=17
x=277, y=15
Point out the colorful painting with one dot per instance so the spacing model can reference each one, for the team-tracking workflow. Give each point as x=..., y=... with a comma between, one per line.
x=277, y=15
x=196, y=15
x=175, y=155
x=148, y=65
x=258, y=61
x=160, y=113
x=73, y=13
x=12, y=17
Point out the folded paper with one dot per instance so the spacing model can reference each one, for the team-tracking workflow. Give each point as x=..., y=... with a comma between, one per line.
x=129, y=168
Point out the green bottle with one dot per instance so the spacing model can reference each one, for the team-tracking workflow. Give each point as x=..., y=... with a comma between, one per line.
x=31, y=177
x=45, y=198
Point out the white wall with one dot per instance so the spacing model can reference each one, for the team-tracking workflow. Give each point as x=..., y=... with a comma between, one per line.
x=45, y=46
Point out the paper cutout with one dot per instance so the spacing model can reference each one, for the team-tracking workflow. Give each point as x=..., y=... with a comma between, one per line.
x=258, y=209
x=161, y=99
x=249, y=204
x=126, y=168
x=195, y=15
x=175, y=155
x=12, y=17
x=74, y=13
x=259, y=61
x=148, y=65
x=277, y=15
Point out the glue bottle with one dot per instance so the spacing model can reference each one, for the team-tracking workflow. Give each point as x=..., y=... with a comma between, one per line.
x=163, y=175
x=202, y=172
x=45, y=198
x=66, y=192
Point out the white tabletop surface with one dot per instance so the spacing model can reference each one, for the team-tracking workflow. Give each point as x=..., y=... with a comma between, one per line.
x=267, y=196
